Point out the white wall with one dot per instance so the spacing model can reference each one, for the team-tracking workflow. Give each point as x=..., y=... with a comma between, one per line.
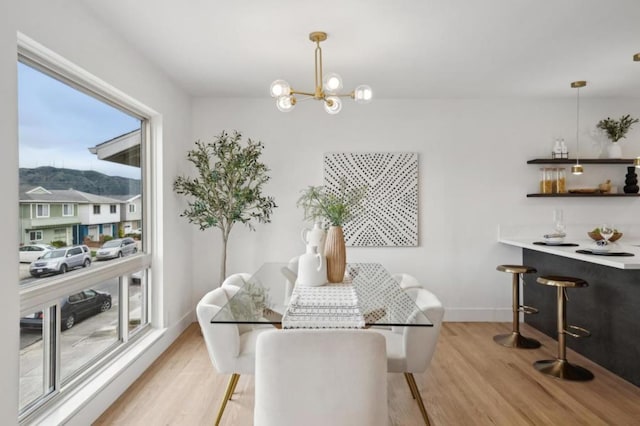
x=473, y=177
x=65, y=27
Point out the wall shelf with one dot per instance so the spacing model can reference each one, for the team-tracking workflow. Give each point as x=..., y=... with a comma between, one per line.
x=594, y=194
x=623, y=161
x=582, y=161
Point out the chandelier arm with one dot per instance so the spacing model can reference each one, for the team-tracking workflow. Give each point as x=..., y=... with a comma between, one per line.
x=295, y=92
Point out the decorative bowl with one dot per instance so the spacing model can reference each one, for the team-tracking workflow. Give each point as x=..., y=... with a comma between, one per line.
x=596, y=236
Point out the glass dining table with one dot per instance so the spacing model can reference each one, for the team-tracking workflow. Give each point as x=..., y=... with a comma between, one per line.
x=368, y=295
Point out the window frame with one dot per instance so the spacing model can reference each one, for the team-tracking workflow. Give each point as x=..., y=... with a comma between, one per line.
x=70, y=206
x=132, y=208
x=96, y=208
x=113, y=209
x=46, y=294
x=36, y=232
x=43, y=205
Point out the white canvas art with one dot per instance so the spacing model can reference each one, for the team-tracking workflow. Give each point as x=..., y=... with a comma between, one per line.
x=390, y=216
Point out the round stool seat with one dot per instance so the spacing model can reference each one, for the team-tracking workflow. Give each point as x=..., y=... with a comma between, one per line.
x=558, y=281
x=516, y=269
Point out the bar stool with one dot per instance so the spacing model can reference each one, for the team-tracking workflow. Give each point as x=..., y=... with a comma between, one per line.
x=560, y=367
x=515, y=339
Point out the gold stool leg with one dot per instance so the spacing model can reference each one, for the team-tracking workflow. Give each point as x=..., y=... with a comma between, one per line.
x=231, y=386
x=416, y=392
x=515, y=339
x=560, y=367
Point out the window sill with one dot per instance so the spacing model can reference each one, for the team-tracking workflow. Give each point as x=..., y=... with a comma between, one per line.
x=62, y=410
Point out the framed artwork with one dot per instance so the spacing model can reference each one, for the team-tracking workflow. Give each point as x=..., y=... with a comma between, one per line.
x=390, y=215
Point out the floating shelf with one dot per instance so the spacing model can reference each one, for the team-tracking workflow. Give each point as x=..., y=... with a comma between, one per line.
x=582, y=161
x=595, y=194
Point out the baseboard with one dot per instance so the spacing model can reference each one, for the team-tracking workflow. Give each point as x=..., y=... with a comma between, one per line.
x=478, y=315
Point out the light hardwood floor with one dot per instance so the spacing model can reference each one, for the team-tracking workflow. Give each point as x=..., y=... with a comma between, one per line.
x=471, y=381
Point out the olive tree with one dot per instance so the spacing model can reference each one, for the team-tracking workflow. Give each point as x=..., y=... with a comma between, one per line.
x=227, y=188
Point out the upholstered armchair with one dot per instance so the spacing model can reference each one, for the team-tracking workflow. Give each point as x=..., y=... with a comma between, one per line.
x=321, y=377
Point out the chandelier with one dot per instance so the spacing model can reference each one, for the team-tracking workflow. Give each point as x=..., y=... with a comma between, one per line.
x=327, y=88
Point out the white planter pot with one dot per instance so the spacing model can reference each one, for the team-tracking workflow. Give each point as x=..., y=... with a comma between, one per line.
x=614, y=150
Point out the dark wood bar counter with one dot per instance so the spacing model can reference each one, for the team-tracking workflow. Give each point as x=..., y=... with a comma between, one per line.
x=609, y=308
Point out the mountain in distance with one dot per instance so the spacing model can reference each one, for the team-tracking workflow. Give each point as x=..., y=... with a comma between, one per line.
x=82, y=180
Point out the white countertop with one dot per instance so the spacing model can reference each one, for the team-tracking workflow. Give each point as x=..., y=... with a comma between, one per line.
x=585, y=244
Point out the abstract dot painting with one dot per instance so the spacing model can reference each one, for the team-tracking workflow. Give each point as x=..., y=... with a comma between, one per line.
x=390, y=215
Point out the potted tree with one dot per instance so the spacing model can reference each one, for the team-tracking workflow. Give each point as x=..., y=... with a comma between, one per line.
x=616, y=130
x=335, y=208
x=228, y=187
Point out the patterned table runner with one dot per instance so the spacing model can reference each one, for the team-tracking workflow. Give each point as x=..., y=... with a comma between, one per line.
x=330, y=306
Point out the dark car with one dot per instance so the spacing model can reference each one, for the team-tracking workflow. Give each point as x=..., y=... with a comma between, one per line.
x=73, y=309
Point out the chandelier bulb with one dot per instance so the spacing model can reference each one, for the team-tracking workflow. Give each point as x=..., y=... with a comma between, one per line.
x=332, y=104
x=280, y=88
x=363, y=94
x=285, y=103
x=332, y=83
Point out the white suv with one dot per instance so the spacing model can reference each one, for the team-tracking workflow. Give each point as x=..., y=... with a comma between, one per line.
x=61, y=260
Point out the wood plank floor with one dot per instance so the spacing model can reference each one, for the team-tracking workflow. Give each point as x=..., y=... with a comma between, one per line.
x=471, y=381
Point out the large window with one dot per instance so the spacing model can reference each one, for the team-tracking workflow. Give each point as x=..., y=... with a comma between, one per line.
x=78, y=150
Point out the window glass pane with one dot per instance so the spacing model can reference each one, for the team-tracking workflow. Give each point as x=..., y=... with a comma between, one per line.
x=138, y=296
x=89, y=326
x=31, y=359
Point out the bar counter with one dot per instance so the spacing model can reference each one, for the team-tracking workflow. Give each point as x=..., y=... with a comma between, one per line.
x=609, y=307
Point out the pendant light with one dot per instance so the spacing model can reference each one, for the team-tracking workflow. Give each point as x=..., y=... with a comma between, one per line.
x=577, y=169
x=327, y=87
x=636, y=162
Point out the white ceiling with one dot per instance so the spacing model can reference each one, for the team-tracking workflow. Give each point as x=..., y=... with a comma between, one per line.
x=402, y=48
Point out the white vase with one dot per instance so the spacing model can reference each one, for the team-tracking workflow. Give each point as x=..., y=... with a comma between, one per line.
x=315, y=237
x=312, y=268
x=614, y=150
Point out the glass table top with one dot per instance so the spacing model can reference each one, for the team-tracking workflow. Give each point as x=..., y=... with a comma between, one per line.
x=264, y=298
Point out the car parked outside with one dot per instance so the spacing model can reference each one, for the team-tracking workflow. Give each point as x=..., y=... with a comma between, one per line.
x=32, y=252
x=117, y=248
x=73, y=309
x=61, y=260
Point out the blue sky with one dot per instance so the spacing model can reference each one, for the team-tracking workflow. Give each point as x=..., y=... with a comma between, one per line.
x=57, y=125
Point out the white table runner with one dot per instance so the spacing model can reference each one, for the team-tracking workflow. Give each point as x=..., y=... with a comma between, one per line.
x=330, y=306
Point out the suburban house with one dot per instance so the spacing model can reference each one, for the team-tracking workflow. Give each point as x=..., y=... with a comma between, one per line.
x=50, y=215
x=71, y=216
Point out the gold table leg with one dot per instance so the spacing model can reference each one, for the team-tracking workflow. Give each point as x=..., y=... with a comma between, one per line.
x=231, y=386
x=416, y=392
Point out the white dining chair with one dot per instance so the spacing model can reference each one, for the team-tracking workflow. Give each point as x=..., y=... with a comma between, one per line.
x=406, y=281
x=410, y=349
x=320, y=377
x=231, y=349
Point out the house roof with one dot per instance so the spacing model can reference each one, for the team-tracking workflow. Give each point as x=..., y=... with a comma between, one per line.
x=41, y=194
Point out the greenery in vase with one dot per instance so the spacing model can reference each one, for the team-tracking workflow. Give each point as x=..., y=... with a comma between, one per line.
x=335, y=207
x=228, y=187
x=617, y=129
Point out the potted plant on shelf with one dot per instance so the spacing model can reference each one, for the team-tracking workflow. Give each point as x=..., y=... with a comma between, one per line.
x=616, y=130
x=335, y=208
x=228, y=188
